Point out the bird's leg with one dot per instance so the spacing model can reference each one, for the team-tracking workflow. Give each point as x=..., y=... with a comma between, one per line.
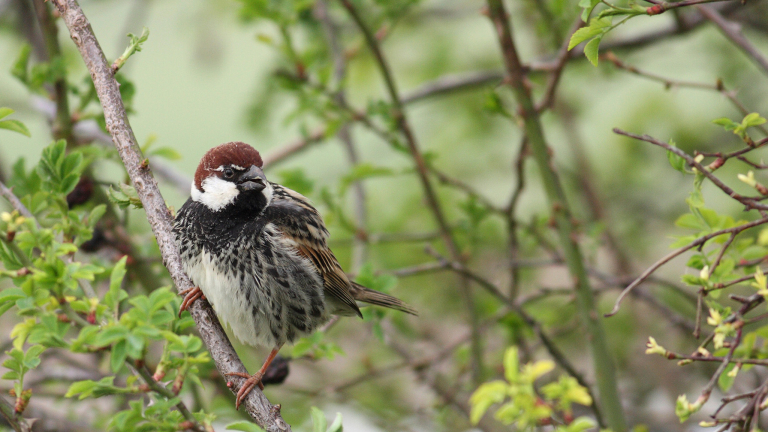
x=252, y=380
x=190, y=295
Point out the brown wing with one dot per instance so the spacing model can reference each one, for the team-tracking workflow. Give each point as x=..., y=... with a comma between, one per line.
x=303, y=228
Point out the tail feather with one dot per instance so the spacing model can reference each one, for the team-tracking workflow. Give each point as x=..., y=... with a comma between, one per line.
x=367, y=295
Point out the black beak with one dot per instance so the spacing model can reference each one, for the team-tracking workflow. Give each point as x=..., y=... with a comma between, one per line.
x=252, y=180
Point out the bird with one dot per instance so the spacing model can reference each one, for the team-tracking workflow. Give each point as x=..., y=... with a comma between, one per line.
x=258, y=252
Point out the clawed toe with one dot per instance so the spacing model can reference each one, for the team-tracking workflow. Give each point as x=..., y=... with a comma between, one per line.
x=250, y=382
x=190, y=295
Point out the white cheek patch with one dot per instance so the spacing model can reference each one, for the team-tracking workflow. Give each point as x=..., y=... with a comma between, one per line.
x=268, y=191
x=218, y=193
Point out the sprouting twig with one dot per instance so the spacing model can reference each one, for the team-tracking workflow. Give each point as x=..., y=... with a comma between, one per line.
x=698, y=242
x=18, y=423
x=159, y=217
x=163, y=391
x=133, y=47
x=749, y=202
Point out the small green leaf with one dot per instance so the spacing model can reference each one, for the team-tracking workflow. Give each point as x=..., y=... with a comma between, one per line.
x=336, y=426
x=596, y=27
x=20, y=66
x=592, y=49
x=118, y=355
x=511, y=364
x=166, y=152
x=588, y=6
x=752, y=119
x=726, y=123
x=319, y=423
x=5, y=112
x=675, y=160
x=485, y=396
x=16, y=126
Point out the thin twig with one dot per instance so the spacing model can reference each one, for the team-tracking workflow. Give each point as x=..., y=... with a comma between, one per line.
x=359, y=245
x=423, y=173
x=163, y=391
x=556, y=354
x=669, y=83
x=283, y=152
x=15, y=202
x=661, y=7
x=452, y=83
x=698, y=242
x=604, y=368
x=159, y=217
x=732, y=31
x=747, y=201
x=563, y=55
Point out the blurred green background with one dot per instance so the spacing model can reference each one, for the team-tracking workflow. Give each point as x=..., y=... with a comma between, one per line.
x=205, y=77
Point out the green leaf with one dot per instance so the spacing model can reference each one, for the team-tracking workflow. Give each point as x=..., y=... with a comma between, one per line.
x=319, y=423
x=597, y=27
x=110, y=334
x=592, y=50
x=726, y=381
x=114, y=296
x=20, y=66
x=485, y=396
x=244, y=426
x=726, y=123
x=297, y=180
x=336, y=426
x=363, y=171
x=752, y=119
x=511, y=364
x=587, y=6
x=675, y=160
x=691, y=221
x=16, y=126
x=118, y=355
x=5, y=112
x=166, y=152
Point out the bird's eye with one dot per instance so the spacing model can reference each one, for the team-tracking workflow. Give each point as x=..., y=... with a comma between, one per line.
x=228, y=173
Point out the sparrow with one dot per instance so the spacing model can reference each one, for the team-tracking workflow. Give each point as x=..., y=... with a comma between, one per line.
x=258, y=252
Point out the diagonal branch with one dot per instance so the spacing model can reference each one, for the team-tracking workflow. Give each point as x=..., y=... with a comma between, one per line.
x=732, y=31
x=158, y=215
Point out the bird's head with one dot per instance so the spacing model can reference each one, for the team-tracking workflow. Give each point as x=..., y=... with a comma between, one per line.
x=231, y=174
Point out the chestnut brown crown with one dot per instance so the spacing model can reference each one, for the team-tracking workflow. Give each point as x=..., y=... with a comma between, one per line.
x=234, y=153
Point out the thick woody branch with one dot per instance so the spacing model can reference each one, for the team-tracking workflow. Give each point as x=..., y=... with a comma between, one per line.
x=158, y=215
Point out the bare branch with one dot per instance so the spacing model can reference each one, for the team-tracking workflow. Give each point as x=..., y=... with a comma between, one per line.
x=452, y=83
x=732, y=31
x=160, y=219
x=8, y=194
